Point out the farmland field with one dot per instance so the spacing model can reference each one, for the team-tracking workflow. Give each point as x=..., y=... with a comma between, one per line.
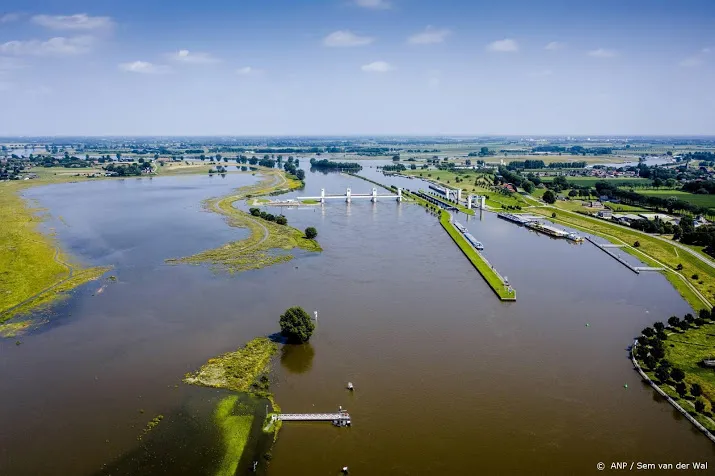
x=696, y=199
x=591, y=181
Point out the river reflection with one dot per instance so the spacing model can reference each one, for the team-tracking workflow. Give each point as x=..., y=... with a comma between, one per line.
x=297, y=359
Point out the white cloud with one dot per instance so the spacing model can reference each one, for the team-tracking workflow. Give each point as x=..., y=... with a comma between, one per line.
x=143, y=67
x=507, y=45
x=58, y=46
x=377, y=67
x=80, y=21
x=248, y=71
x=185, y=56
x=602, y=53
x=705, y=50
x=346, y=38
x=374, y=4
x=9, y=17
x=555, y=45
x=541, y=73
x=691, y=62
x=5, y=86
x=429, y=36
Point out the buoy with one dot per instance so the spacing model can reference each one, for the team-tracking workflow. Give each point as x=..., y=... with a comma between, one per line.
x=588, y=325
x=350, y=386
x=345, y=470
x=625, y=386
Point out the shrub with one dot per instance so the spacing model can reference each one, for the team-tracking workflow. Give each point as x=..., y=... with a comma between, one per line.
x=311, y=233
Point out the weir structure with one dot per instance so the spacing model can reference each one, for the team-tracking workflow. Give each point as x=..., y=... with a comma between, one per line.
x=349, y=196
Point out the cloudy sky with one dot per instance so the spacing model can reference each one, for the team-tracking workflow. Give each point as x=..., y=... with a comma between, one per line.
x=322, y=67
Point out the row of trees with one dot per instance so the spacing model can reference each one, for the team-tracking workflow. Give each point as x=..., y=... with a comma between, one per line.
x=257, y=212
x=539, y=164
x=651, y=353
x=630, y=197
x=326, y=164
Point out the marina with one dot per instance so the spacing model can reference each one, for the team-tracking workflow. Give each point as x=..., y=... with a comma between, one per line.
x=536, y=225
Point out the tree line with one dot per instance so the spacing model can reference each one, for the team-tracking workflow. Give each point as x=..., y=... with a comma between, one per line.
x=326, y=164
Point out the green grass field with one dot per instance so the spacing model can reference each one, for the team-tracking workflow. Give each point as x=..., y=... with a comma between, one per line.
x=707, y=201
x=686, y=350
x=31, y=264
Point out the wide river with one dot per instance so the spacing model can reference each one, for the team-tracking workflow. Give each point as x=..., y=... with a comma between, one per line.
x=448, y=379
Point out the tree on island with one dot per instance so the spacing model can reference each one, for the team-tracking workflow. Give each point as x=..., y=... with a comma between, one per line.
x=296, y=325
x=549, y=197
x=699, y=405
x=311, y=233
x=696, y=390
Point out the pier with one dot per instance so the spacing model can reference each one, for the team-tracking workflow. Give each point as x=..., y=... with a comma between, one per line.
x=635, y=269
x=349, y=196
x=532, y=223
x=312, y=416
x=496, y=281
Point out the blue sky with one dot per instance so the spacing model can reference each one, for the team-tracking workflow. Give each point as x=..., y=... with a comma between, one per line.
x=324, y=67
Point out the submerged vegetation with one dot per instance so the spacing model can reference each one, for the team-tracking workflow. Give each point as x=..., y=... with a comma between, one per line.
x=255, y=251
x=235, y=430
x=241, y=371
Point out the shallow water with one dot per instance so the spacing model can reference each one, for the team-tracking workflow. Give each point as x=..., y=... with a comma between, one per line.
x=448, y=379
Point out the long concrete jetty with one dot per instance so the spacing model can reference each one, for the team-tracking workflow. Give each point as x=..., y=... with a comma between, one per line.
x=635, y=269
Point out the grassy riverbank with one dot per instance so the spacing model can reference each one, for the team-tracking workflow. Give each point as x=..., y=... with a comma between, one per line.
x=685, y=350
x=695, y=281
x=33, y=269
x=259, y=249
x=489, y=275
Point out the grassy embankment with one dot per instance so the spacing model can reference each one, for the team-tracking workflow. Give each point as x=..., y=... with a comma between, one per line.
x=34, y=270
x=695, y=282
x=685, y=350
x=241, y=371
x=471, y=182
x=489, y=275
x=255, y=251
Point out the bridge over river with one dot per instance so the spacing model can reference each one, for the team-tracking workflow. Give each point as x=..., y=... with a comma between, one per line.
x=349, y=196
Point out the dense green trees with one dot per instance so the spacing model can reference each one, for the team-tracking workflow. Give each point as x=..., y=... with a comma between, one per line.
x=330, y=165
x=311, y=233
x=296, y=325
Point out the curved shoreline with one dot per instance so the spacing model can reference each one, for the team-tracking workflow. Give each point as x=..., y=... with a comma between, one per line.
x=675, y=404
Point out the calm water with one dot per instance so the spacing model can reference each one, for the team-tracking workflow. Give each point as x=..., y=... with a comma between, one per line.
x=448, y=379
